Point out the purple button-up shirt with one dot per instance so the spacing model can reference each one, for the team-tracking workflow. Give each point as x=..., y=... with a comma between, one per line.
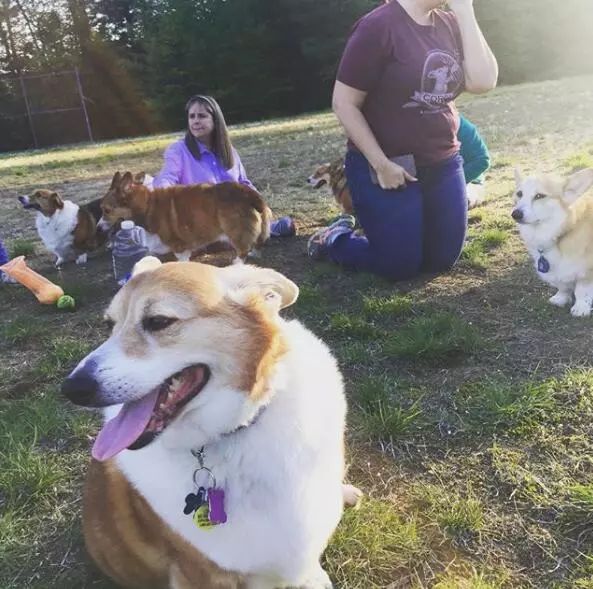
x=182, y=168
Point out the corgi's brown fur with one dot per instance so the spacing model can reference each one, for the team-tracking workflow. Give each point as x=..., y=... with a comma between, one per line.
x=188, y=218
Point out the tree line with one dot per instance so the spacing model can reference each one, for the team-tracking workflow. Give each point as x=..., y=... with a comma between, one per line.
x=141, y=59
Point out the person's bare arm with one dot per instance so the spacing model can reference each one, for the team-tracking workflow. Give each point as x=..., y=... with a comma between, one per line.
x=479, y=64
x=347, y=105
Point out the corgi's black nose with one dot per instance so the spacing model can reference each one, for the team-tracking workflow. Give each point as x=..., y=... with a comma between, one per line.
x=81, y=389
x=517, y=214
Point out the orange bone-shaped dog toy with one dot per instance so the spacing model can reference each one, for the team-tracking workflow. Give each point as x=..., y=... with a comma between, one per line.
x=46, y=291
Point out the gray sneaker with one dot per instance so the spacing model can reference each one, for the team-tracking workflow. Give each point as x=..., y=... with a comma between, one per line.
x=320, y=241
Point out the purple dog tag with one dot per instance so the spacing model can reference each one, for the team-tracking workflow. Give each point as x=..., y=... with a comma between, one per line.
x=216, y=514
x=543, y=265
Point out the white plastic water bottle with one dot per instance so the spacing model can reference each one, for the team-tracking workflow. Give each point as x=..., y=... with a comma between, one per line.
x=128, y=247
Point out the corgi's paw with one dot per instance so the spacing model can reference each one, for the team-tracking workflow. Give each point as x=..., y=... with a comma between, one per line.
x=581, y=309
x=81, y=260
x=560, y=299
x=319, y=579
x=352, y=495
x=183, y=256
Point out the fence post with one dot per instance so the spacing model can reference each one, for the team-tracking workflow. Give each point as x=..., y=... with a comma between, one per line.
x=28, y=107
x=83, y=103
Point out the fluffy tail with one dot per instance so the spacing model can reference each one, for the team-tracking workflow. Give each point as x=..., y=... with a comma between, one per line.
x=259, y=204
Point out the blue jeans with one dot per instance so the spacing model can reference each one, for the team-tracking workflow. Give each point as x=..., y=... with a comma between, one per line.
x=407, y=231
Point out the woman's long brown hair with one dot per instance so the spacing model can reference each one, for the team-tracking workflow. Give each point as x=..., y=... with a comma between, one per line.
x=221, y=144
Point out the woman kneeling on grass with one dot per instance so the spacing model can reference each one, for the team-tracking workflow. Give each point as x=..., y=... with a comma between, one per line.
x=207, y=155
x=403, y=66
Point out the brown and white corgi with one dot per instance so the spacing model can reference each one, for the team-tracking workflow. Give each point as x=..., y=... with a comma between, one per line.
x=333, y=175
x=556, y=223
x=188, y=218
x=66, y=229
x=221, y=459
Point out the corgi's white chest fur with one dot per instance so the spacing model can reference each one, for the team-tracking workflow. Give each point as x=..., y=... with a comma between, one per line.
x=563, y=270
x=281, y=475
x=57, y=231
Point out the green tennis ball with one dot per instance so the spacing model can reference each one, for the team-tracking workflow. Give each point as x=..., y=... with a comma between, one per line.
x=66, y=302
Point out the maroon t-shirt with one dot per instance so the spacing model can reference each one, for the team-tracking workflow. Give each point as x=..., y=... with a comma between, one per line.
x=412, y=73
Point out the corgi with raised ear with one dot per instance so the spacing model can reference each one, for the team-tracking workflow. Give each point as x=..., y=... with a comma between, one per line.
x=188, y=218
x=555, y=220
x=67, y=229
x=334, y=176
x=220, y=462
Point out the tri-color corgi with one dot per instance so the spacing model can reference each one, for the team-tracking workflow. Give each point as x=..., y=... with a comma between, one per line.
x=67, y=229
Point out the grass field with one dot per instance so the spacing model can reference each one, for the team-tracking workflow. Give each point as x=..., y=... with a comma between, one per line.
x=471, y=399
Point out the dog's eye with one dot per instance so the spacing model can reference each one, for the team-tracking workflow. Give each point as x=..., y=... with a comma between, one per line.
x=539, y=196
x=157, y=323
x=519, y=194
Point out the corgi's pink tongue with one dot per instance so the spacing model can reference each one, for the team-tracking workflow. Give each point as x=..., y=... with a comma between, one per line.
x=125, y=428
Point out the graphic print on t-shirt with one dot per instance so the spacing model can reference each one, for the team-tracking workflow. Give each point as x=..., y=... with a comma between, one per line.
x=442, y=81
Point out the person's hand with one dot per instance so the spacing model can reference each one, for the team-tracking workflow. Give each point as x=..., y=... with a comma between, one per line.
x=392, y=176
x=460, y=5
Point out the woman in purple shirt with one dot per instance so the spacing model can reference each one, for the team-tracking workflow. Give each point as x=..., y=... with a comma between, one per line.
x=404, y=64
x=206, y=155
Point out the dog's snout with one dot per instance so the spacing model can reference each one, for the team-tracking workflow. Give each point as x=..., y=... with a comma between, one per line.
x=81, y=387
x=23, y=200
x=517, y=214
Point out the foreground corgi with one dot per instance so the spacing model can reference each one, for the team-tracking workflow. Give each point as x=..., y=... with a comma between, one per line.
x=556, y=224
x=333, y=175
x=66, y=229
x=221, y=459
x=188, y=218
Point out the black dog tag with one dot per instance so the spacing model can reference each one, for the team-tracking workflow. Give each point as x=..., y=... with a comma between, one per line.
x=194, y=500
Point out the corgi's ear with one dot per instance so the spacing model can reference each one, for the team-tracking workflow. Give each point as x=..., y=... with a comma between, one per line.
x=518, y=177
x=57, y=201
x=115, y=181
x=244, y=280
x=126, y=183
x=577, y=184
x=146, y=264
x=139, y=177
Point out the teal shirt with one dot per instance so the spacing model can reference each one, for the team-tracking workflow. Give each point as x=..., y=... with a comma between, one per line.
x=476, y=158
